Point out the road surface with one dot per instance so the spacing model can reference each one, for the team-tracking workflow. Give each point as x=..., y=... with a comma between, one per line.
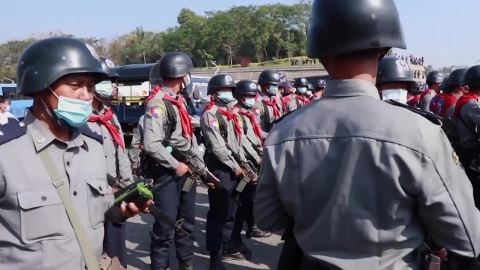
x=265, y=251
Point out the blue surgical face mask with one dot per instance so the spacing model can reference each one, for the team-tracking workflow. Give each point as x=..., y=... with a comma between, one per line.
x=302, y=90
x=104, y=88
x=272, y=89
x=249, y=102
x=225, y=97
x=73, y=111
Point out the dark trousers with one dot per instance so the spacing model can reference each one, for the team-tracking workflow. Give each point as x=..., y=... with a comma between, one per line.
x=245, y=211
x=114, y=242
x=221, y=216
x=176, y=204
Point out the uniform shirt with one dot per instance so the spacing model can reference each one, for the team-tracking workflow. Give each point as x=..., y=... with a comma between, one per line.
x=249, y=143
x=5, y=116
x=35, y=232
x=467, y=121
x=214, y=142
x=292, y=103
x=258, y=110
x=155, y=125
x=115, y=156
x=424, y=102
x=134, y=150
x=363, y=184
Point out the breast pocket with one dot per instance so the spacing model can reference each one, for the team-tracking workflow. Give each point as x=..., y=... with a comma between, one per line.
x=42, y=216
x=97, y=190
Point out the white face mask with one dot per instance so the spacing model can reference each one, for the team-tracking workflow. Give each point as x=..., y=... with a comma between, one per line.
x=6, y=108
x=399, y=95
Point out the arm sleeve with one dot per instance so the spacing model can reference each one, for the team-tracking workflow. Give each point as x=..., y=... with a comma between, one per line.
x=446, y=206
x=154, y=133
x=270, y=215
x=212, y=136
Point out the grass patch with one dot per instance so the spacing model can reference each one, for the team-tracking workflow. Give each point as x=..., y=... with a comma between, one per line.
x=274, y=63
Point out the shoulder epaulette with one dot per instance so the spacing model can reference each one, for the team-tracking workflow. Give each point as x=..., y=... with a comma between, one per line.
x=85, y=130
x=437, y=120
x=12, y=130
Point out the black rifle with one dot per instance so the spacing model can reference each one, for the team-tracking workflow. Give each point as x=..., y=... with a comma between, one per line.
x=249, y=170
x=198, y=167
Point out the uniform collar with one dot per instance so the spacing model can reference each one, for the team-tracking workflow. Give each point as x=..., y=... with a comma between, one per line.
x=42, y=137
x=101, y=111
x=169, y=91
x=350, y=88
x=266, y=96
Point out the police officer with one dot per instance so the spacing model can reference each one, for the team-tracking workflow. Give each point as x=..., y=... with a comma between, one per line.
x=223, y=135
x=166, y=118
x=414, y=97
x=104, y=122
x=244, y=93
x=289, y=102
x=268, y=106
x=136, y=146
x=301, y=84
x=367, y=153
x=54, y=171
x=434, y=79
x=319, y=88
x=394, y=79
x=467, y=119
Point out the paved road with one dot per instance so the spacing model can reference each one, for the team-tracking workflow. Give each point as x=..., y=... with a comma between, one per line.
x=266, y=251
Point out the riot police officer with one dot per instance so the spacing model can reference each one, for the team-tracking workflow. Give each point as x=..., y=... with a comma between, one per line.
x=289, y=101
x=319, y=88
x=244, y=93
x=268, y=106
x=223, y=135
x=367, y=151
x=467, y=119
x=166, y=120
x=104, y=122
x=394, y=79
x=53, y=177
x=434, y=79
x=301, y=84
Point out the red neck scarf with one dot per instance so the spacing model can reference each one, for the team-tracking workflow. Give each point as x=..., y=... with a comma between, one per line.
x=187, y=129
x=273, y=104
x=285, y=100
x=303, y=99
x=112, y=129
x=253, y=120
x=230, y=116
x=463, y=100
x=152, y=95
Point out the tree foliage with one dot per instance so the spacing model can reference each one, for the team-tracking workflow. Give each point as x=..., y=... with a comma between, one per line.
x=256, y=33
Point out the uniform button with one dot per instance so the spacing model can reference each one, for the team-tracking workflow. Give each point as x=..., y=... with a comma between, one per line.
x=44, y=198
x=68, y=163
x=105, y=156
x=74, y=193
x=100, y=188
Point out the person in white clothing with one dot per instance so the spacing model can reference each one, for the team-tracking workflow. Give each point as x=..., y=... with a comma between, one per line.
x=5, y=110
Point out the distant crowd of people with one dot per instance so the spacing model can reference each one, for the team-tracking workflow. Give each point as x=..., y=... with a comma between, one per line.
x=303, y=61
x=410, y=59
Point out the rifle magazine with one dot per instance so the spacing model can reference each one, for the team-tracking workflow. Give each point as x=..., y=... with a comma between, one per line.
x=187, y=186
x=241, y=185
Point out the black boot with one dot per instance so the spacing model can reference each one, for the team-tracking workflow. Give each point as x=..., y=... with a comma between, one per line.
x=186, y=264
x=255, y=232
x=216, y=262
x=231, y=252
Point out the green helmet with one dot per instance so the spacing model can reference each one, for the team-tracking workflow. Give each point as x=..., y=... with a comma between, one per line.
x=47, y=60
